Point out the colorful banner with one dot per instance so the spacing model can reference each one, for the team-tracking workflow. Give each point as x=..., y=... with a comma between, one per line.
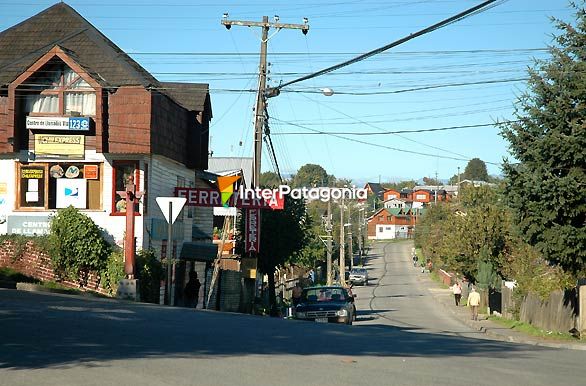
x=213, y=198
x=252, y=231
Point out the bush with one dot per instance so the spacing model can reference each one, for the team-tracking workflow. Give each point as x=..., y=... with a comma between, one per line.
x=150, y=272
x=78, y=245
x=114, y=272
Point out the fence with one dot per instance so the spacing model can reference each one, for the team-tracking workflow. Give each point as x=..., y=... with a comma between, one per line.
x=559, y=312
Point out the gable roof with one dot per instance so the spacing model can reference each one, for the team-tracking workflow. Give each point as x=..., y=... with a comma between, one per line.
x=60, y=25
x=376, y=188
x=192, y=96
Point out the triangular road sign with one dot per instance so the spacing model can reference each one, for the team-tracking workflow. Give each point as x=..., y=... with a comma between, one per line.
x=176, y=203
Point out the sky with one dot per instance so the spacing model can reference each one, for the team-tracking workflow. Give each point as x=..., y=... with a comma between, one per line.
x=461, y=78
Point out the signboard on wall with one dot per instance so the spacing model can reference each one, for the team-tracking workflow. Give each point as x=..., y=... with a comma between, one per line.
x=60, y=146
x=28, y=225
x=90, y=172
x=252, y=230
x=71, y=192
x=58, y=123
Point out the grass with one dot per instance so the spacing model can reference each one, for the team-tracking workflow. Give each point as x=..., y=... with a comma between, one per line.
x=435, y=277
x=532, y=330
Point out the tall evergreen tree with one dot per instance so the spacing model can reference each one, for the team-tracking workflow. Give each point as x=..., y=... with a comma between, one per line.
x=475, y=170
x=547, y=186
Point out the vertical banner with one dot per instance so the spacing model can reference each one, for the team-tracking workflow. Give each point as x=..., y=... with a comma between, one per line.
x=252, y=230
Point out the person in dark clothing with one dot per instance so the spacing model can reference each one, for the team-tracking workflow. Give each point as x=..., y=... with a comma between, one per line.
x=191, y=291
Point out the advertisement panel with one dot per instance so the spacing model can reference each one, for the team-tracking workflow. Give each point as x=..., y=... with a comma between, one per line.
x=60, y=146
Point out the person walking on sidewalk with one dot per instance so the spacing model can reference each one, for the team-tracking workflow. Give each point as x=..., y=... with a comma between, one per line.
x=457, y=291
x=474, y=302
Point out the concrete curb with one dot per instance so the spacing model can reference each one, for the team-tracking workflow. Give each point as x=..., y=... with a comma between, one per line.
x=490, y=328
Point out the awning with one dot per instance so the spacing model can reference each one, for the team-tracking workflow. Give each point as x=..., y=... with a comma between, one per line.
x=198, y=251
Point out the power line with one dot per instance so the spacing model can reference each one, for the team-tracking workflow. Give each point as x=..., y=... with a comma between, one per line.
x=320, y=132
x=462, y=15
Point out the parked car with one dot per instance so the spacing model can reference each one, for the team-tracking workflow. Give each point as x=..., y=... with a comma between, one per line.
x=330, y=304
x=359, y=276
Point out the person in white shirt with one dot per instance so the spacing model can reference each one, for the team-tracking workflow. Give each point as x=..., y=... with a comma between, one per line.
x=474, y=302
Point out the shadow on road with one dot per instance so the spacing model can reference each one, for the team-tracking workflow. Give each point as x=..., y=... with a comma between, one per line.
x=39, y=331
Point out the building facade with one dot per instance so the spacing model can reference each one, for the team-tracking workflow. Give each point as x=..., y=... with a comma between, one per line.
x=78, y=117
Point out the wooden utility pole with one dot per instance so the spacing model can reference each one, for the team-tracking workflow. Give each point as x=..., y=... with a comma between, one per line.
x=260, y=108
x=342, y=245
x=329, y=243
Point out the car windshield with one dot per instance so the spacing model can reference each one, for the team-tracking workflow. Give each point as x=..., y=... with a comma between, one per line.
x=318, y=295
x=359, y=270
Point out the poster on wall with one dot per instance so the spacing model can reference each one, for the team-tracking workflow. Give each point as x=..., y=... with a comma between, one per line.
x=60, y=146
x=72, y=192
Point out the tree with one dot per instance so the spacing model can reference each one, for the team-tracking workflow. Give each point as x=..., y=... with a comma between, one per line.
x=310, y=175
x=547, y=187
x=475, y=170
x=78, y=245
x=431, y=181
x=270, y=179
x=283, y=233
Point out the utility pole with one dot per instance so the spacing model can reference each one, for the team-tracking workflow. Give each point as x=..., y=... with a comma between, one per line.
x=436, y=186
x=260, y=108
x=350, y=248
x=329, y=243
x=458, y=184
x=360, y=214
x=342, y=245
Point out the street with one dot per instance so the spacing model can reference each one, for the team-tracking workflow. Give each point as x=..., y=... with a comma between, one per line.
x=401, y=337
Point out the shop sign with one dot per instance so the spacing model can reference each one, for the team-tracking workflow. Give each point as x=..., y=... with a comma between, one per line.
x=58, y=123
x=252, y=231
x=32, y=173
x=90, y=172
x=28, y=225
x=67, y=146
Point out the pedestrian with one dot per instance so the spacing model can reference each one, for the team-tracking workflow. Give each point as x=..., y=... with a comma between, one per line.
x=311, y=276
x=474, y=302
x=415, y=258
x=296, y=294
x=191, y=290
x=457, y=291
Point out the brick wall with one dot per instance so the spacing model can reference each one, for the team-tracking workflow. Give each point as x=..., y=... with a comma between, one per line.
x=37, y=264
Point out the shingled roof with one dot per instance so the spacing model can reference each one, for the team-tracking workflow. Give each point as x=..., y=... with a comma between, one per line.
x=60, y=25
x=192, y=96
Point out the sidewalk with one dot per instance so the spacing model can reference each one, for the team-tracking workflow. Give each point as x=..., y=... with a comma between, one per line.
x=445, y=297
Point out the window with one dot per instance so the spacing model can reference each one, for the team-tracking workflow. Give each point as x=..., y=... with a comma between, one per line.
x=57, y=89
x=44, y=186
x=122, y=170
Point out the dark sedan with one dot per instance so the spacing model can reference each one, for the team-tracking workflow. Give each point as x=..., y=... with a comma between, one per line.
x=332, y=304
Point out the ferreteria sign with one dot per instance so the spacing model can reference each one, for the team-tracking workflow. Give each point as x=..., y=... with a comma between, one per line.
x=248, y=198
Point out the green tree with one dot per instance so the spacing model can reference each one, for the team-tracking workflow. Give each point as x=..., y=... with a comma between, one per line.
x=547, y=186
x=79, y=246
x=270, y=179
x=310, y=175
x=283, y=234
x=431, y=181
x=475, y=170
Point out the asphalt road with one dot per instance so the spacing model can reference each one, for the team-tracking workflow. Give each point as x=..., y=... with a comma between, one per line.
x=401, y=338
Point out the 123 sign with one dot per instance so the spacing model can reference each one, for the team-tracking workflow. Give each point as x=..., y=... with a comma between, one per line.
x=78, y=123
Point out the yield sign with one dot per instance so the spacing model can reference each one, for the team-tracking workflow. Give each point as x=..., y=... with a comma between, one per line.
x=171, y=207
